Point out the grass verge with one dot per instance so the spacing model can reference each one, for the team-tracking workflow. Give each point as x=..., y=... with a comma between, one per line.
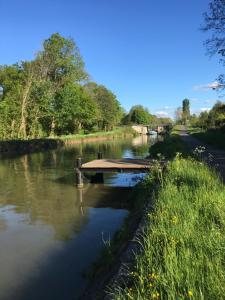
x=169, y=147
x=214, y=137
x=183, y=243
x=42, y=144
x=117, y=132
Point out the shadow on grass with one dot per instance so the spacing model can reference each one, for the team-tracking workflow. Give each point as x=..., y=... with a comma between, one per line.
x=169, y=148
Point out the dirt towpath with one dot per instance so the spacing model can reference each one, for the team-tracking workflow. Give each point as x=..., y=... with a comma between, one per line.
x=213, y=156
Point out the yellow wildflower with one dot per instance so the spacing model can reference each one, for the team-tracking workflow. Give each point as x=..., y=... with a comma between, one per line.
x=174, y=219
x=155, y=295
x=190, y=293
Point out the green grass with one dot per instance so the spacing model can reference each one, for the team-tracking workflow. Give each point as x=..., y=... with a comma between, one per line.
x=214, y=137
x=177, y=129
x=117, y=132
x=183, y=243
x=169, y=147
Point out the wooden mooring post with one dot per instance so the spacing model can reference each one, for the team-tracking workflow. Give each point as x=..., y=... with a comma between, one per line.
x=99, y=155
x=79, y=177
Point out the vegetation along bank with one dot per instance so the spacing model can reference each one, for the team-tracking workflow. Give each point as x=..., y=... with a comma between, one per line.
x=42, y=144
x=184, y=231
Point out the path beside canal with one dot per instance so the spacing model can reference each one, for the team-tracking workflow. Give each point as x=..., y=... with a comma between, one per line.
x=214, y=157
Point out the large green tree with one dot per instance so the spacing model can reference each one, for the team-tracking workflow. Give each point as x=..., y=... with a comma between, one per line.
x=109, y=109
x=75, y=110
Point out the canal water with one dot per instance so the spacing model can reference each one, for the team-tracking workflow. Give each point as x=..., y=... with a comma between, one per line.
x=51, y=232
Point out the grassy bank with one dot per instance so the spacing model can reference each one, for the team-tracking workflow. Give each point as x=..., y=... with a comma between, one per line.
x=214, y=137
x=184, y=238
x=169, y=147
x=116, y=133
x=36, y=145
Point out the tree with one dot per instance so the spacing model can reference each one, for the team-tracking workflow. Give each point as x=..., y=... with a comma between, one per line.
x=60, y=61
x=75, y=110
x=185, y=110
x=11, y=80
x=165, y=121
x=216, y=117
x=214, y=22
x=110, y=111
x=203, y=120
x=193, y=120
x=138, y=115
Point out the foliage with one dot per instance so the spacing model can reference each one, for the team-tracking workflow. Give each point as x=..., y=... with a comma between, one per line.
x=164, y=121
x=212, y=137
x=214, y=119
x=109, y=109
x=214, y=22
x=190, y=197
x=193, y=120
x=116, y=132
x=139, y=115
x=185, y=110
x=169, y=147
x=46, y=96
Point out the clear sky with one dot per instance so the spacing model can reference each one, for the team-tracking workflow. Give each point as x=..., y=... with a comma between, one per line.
x=146, y=51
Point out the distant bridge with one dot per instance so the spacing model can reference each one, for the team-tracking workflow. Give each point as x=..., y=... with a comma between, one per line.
x=144, y=129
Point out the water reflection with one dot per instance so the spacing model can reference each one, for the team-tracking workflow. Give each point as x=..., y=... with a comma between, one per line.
x=47, y=226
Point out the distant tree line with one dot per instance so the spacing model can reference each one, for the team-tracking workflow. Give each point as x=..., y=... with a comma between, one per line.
x=51, y=95
x=212, y=119
x=140, y=115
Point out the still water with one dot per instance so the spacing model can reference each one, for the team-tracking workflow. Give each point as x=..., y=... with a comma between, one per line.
x=51, y=232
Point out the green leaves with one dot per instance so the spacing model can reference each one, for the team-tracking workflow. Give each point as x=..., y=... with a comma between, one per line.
x=45, y=97
x=139, y=115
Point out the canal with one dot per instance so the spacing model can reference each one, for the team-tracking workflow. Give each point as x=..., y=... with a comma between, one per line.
x=51, y=232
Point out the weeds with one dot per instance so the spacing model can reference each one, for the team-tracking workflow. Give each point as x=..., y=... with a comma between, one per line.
x=117, y=132
x=183, y=244
x=214, y=137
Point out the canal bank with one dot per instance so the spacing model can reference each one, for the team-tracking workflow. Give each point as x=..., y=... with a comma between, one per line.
x=182, y=231
x=19, y=147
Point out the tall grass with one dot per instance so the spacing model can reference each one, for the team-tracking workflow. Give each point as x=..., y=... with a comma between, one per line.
x=117, y=132
x=214, y=137
x=169, y=147
x=183, y=242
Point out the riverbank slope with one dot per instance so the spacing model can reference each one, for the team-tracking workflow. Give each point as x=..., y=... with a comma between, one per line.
x=36, y=145
x=184, y=232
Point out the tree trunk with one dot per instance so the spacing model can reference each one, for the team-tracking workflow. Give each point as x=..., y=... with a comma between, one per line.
x=52, y=133
x=12, y=129
x=23, y=123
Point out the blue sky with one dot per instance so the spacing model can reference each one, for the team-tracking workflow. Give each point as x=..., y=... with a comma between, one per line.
x=147, y=52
